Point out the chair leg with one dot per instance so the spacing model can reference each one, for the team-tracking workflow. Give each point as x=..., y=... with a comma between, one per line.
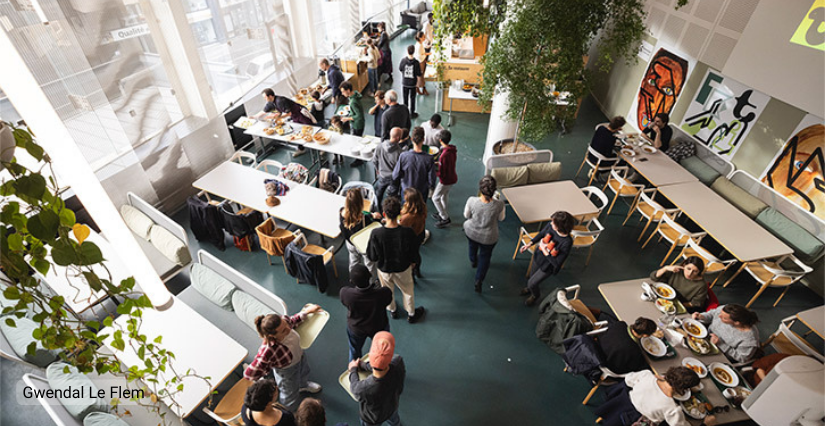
x=592, y=176
x=648, y=239
x=334, y=268
x=781, y=296
x=599, y=420
x=268, y=259
x=647, y=225
x=285, y=270
x=589, y=253
x=629, y=213
x=612, y=203
x=592, y=392
x=667, y=255
x=529, y=268
x=518, y=246
x=758, y=293
x=580, y=166
x=735, y=275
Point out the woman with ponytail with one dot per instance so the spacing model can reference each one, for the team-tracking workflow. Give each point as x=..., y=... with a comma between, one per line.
x=733, y=330
x=261, y=406
x=281, y=352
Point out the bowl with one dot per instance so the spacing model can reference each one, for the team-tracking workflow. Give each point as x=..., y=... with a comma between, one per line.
x=724, y=374
x=694, y=328
x=666, y=306
x=696, y=365
x=684, y=397
x=664, y=291
x=649, y=149
x=654, y=346
x=628, y=152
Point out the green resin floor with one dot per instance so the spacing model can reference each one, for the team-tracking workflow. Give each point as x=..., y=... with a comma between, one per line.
x=475, y=359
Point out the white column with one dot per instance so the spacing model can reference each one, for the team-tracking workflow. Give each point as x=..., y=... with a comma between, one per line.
x=300, y=13
x=354, y=17
x=392, y=16
x=31, y=103
x=500, y=126
x=281, y=44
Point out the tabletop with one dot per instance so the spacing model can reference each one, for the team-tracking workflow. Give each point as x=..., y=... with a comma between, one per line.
x=731, y=228
x=536, y=203
x=190, y=337
x=304, y=206
x=624, y=298
x=814, y=319
x=460, y=94
x=338, y=144
x=658, y=168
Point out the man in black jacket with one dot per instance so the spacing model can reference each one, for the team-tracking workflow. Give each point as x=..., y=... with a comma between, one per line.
x=396, y=115
x=619, y=344
x=410, y=71
x=366, y=309
x=334, y=79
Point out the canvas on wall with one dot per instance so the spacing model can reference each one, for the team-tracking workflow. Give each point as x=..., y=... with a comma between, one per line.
x=661, y=85
x=796, y=171
x=723, y=112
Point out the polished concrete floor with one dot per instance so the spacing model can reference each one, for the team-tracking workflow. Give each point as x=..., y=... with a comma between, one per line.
x=475, y=358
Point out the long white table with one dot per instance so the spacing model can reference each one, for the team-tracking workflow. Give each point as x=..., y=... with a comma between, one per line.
x=338, y=144
x=624, y=298
x=657, y=168
x=814, y=319
x=304, y=206
x=536, y=203
x=198, y=346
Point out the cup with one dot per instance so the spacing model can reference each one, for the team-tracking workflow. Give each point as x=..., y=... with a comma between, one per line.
x=729, y=393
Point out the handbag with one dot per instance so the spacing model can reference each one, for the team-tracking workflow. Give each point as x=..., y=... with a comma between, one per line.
x=275, y=188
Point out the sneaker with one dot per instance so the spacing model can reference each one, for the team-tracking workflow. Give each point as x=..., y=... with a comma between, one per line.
x=437, y=217
x=414, y=115
x=426, y=236
x=443, y=224
x=525, y=291
x=356, y=163
x=312, y=387
x=394, y=314
x=417, y=316
x=299, y=153
x=478, y=286
x=530, y=301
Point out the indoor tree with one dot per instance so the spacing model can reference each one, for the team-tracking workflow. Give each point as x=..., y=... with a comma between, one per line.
x=37, y=234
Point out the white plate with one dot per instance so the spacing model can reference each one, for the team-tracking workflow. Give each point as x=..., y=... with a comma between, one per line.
x=734, y=378
x=683, y=397
x=696, y=363
x=688, y=324
x=660, y=305
x=698, y=416
x=654, y=346
x=664, y=291
x=628, y=152
x=648, y=149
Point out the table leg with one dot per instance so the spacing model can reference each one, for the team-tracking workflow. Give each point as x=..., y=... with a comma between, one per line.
x=450, y=115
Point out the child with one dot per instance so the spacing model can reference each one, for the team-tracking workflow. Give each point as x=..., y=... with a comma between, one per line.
x=316, y=106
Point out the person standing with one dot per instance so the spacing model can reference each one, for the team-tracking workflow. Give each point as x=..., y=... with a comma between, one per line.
x=269, y=104
x=366, y=309
x=373, y=55
x=356, y=111
x=393, y=248
x=385, y=158
x=334, y=79
x=281, y=352
x=416, y=168
x=295, y=111
x=447, y=177
x=386, y=53
x=378, y=111
x=414, y=216
x=554, y=245
x=432, y=128
x=396, y=115
x=379, y=394
x=410, y=71
x=422, y=51
x=353, y=218
x=481, y=227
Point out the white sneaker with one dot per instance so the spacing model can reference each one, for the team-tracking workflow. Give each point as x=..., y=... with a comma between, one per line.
x=312, y=387
x=299, y=153
x=426, y=236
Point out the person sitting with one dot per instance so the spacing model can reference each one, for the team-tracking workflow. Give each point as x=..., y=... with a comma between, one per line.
x=261, y=407
x=764, y=365
x=619, y=344
x=604, y=141
x=554, y=245
x=686, y=279
x=646, y=394
x=336, y=125
x=658, y=132
x=733, y=330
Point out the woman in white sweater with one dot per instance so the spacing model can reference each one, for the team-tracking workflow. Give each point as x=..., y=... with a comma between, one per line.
x=646, y=394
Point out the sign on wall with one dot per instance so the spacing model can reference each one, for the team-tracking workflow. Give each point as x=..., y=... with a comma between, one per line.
x=797, y=169
x=810, y=32
x=723, y=112
x=660, y=87
x=130, y=32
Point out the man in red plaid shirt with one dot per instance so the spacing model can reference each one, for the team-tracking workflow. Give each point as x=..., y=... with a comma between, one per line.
x=281, y=353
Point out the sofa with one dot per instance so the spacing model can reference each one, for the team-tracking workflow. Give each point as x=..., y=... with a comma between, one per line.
x=416, y=15
x=523, y=168
x=706, y=165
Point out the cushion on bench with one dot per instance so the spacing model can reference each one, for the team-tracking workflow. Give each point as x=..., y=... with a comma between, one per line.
x=247, y=308
x=103, y=419
x=138, y=222
x=543, y=172
x=77, y=407
x=212, y=286
x=737, y=196
x=20, y=337
x=700, y=169
x=806, y=247
x=508, y=177
x=169, y=245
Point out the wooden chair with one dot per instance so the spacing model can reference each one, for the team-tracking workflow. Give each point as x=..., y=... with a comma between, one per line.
x=525, y=238
x=675, y=234
x=273, y=239
x=244, y=158
x=786, y=341
x=602, y=163
x=648, y=209
x=587, y=238
x=713, y=265
x=620, y=186
x=601, y=197
x=774, y=274
x=228, y=410
x=328, y=255
x=270, y=166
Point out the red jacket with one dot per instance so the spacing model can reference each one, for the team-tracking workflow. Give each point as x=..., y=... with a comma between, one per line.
x=446, y=169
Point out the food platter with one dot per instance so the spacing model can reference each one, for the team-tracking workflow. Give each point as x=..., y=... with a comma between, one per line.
x=666, y=306
x=701, y=346
x=322, y=137
x=245, y=122
x=654, y=346
x=664, y=291
x=696, y=365
x=695, y=407
x=467, y=87
x=648, y=149
x=694, y=328
x=344, y=110
x=724, y=374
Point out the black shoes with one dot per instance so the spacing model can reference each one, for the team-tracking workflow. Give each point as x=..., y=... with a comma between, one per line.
x=530, y=301
x=417, y=316
x=525, y=291
x=436, y=216
x=394, y=314
x=478, y=286
x=443, y=224
x=414, y=115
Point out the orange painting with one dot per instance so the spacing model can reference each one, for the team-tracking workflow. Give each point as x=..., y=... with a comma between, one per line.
x=661, y=86
x=797, y=172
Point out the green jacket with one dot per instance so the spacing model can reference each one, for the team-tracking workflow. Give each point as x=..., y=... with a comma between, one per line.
x=356, y=110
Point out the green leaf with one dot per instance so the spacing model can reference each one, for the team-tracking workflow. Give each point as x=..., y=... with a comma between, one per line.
x=10, y=322
x=32, y=186
x=35, y=150
x=44, y=225
x=11, y=293
x=158, y=339
x=8, y=188
x=90, y=253
x=107, y=322
x=67, y=217
x=64, y=253
x=41, y=266
x=15, y=242
x=22, y=137
x=119, y=344
x=93, y=280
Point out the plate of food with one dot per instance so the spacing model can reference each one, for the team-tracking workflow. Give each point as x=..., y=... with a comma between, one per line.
x=245, y=122
x=694, y=328
x=322, y=137
x=697, y=366
x=654, y=346
x=628, y=152
x=695, y=407
x=666, y=306
x=683, y=397
x=344, y=110
x=467, y=87
x=303, y=92
x=724, y=374
x=699, y=346
x=308, y=130
x=664, y=291
x=648, y=149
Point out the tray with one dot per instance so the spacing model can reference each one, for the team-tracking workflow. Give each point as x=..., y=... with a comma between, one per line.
x=309, y=330
x=361, y=238
x=343, y=379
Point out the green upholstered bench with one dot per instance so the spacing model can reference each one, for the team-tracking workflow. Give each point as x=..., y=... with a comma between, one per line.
x=700, y=169
x=806, y=247
x=737, y=196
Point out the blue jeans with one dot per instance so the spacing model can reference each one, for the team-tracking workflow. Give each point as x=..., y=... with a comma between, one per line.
x=356, y=343
x=385, y=187
x=372, y=74
x=481, y=254
x=394, y=420
x=291, y=380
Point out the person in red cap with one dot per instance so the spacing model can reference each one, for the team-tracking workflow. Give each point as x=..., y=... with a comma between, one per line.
x=378, y=395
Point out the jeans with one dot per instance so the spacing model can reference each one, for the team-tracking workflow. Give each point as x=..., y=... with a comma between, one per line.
x=409, y=98
x=404, y=282
x=385, y=186
x=372, y=73
x=481, y=254
x=440, y=198
x=356, y=343
x=356, y=258
x=291, y=380
x=394, y=420
x=536, y=278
